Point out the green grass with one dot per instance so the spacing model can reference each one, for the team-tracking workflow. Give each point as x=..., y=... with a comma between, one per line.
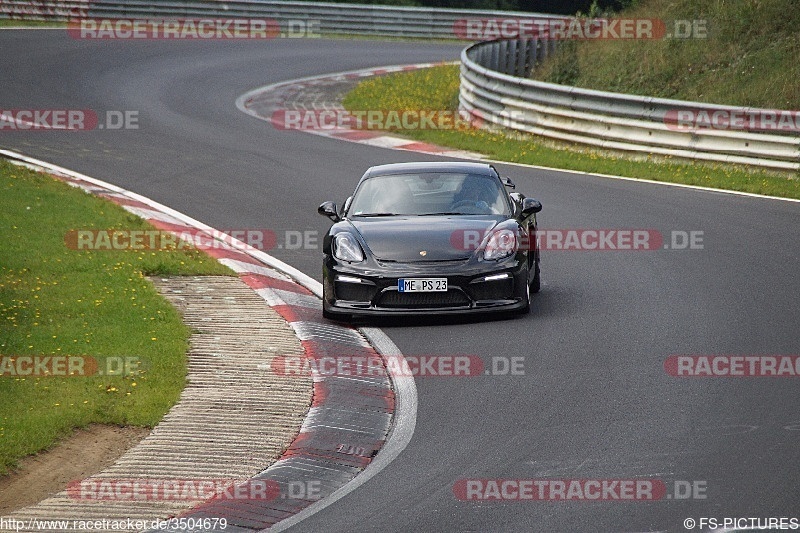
x=19, y=23
x=750, y=57
x=60, y=301
x=437, y=89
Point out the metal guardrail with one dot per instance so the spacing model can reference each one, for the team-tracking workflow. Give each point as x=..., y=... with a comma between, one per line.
x=495, y=88
x=355, y=19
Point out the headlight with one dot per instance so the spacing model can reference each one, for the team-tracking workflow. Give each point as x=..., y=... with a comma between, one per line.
x=501, y=244
x=346, y=248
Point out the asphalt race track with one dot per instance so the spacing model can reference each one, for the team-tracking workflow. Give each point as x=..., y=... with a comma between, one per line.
x=594, y=402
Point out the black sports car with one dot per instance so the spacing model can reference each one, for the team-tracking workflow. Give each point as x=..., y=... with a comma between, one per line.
x=430, y=238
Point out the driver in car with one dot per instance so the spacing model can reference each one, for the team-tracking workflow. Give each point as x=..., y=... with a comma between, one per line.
x=474, y=191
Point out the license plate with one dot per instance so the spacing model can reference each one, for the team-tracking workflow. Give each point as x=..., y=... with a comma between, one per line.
x=422, y=285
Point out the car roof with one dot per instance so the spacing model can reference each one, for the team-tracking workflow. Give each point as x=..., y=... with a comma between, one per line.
x=430, y=166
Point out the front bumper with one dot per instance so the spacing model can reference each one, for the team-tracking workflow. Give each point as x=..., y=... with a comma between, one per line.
x=472, y=288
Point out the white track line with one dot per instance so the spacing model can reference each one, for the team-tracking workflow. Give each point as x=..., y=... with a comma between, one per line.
x=643, y=180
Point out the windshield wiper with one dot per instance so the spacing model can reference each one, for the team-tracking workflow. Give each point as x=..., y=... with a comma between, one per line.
x=442, y=213
x=377, y=214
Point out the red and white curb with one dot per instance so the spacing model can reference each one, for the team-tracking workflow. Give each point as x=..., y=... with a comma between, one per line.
x=264, y=101
x=351, y=418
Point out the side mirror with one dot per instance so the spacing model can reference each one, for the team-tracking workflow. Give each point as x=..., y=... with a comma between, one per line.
x=507, y=182
x=328, y=209
x=530, y=206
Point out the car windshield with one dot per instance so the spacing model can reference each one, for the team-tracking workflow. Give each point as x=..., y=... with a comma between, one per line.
x=429, y=194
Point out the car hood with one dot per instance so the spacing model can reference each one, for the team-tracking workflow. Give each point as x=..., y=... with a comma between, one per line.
x=440, y=237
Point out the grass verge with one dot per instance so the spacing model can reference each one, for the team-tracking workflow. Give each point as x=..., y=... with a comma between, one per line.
x=20, y=23
x=437, y=89
x=741, y=52
x=56, y=301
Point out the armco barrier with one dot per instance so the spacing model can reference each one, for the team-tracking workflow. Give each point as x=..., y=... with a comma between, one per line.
x=495, y=87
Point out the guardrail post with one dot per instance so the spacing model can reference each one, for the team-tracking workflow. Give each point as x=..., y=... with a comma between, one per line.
x=532, y=57
x=494, y=62
x=511, y=57
x=522, y=56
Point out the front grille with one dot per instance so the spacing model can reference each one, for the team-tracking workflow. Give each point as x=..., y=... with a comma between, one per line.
x=424, y=265
x=423, y=300
x=354, y=292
